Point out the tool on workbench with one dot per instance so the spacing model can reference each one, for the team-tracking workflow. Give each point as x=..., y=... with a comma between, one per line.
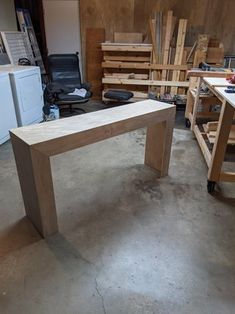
x=230, y=89
x=204, y=66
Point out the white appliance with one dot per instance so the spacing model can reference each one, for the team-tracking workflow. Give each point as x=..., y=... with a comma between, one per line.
x=27, y=93
x=7, y=108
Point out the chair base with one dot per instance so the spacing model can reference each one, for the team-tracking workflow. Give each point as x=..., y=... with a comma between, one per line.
x=67, y=112
x=70, y=111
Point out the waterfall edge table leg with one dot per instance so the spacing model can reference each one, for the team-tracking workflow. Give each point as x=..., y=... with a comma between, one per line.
x=34, y=171
x=158, y=145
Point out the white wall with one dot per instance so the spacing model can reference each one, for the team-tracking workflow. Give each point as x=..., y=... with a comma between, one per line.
x=7, y=15
x=62, y=26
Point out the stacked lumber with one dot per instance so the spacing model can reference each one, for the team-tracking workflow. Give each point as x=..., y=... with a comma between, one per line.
x=211, y=129
x=126, y=66
x=163, y=34
x=158, y=68
x=205, y=49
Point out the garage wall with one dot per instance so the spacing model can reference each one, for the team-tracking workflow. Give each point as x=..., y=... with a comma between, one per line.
x=214, y=17
x=62, y=26
x=7, y=15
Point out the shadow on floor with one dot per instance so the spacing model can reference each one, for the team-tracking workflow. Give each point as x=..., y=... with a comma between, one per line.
x=20, y=234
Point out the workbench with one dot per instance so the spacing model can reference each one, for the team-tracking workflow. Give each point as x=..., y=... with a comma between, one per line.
x=34, y=145
x=194, y=99
x=214, y=156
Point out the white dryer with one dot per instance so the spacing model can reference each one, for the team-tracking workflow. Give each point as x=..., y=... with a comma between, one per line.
x=27, y=93
x=7, y=108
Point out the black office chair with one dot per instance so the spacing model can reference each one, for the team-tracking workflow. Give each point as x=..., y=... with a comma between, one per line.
x=65, y=76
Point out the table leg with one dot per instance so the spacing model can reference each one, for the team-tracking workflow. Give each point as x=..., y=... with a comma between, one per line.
x=158, y=145
x=196, y=104
x=35, y=177
x=221, y=140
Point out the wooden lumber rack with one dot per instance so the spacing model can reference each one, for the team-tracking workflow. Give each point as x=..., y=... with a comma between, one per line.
x=130, y=67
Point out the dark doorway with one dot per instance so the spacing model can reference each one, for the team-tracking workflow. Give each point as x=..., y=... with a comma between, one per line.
x=35, y=8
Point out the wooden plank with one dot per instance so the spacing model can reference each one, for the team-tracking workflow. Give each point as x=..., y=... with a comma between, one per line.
x=211, y=139
x=205, y=151
x=200, y=73
x=65, y=134
x=217, y=82
x=127, y=76
x=191, y=52
x=94, y=38
x=135, y=58
x=144, y=65
x=168, y=35
x=158, y=145
x=211, y=126
x=152, y=26
x=128, y=38
x=183, y=74
x=227, y=176
x=196, y=104
x=201, y=50
x=144, y=82
x=179, y=51
x=127, y=47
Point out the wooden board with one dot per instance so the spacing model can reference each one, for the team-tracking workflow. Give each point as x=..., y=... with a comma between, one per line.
x=127, y=47
x=127, y=76
x=201, y=50
x=179, y=51
x=135, y=58
x=94, y=38
x=145, y=65
x=144, y=82
x=217, y=82
x=57, y=130
x=210, y=126
x=168, y=36
x=199, y=73
x=128, y=38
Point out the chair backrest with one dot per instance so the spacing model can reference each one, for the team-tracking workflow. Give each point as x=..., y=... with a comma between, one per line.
x=64, y=69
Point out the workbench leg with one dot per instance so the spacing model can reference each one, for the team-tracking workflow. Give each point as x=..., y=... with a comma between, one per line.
x=189, y=105
x=221, y=140
x=196, y=104
x=34, y=171
x=158, y=145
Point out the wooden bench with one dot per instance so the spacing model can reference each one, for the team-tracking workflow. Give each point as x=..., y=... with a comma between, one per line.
x=33, y=146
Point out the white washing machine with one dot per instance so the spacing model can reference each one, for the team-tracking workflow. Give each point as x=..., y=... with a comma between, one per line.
x=27, y=93
x=7, y=108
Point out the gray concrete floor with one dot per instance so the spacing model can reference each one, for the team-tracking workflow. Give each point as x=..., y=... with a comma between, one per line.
x=128, y=243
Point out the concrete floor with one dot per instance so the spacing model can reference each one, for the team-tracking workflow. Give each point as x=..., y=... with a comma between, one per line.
x=128, y=243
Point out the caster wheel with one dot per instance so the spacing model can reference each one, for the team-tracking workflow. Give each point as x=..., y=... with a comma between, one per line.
x=210, y=186
x=187, y=123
